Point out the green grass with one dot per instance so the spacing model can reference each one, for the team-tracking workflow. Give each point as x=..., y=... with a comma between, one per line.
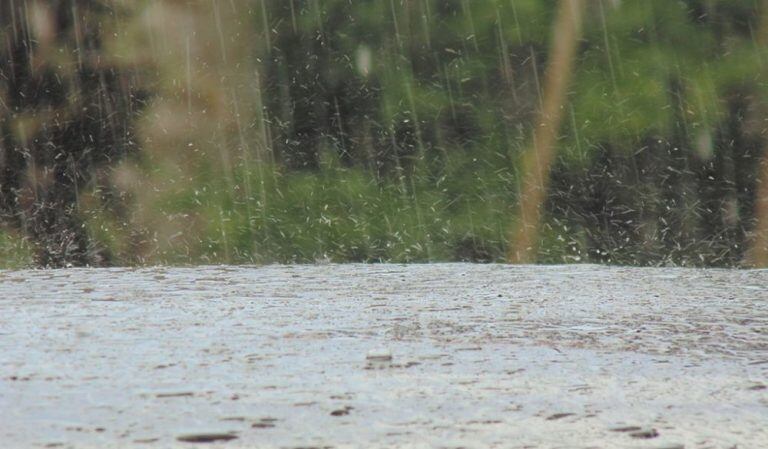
x=15, y=252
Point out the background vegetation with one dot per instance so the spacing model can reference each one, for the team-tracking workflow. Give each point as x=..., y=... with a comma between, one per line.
x=257, y=131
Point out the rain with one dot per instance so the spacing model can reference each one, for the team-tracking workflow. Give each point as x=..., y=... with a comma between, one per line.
x=164, y=132
x=149, y=147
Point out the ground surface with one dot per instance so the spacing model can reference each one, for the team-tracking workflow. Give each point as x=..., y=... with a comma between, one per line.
x=482, y=356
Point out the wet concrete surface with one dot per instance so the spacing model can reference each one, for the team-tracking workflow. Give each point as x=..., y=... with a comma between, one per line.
x=444, y=355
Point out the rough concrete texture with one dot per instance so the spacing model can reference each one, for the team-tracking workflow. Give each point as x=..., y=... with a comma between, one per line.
x=481, y=356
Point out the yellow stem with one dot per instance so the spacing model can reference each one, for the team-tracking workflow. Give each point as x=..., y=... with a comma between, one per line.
x=537, y=160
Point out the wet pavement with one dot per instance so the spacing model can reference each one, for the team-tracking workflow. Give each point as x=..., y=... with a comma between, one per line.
x=444, y=355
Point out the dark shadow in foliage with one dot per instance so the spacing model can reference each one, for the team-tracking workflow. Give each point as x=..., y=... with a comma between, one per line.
x=725, y=18
x=313, y=93
x=728, y=180
x=316, y=98
x=471, y=248
x=668, y=202
x=60, y=125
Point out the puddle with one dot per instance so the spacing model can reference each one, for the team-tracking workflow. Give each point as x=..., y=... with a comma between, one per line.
x=460, y=355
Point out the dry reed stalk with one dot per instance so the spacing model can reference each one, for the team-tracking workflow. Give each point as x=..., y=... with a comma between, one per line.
x=538, y=159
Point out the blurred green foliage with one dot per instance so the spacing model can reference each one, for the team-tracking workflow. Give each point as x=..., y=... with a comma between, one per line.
x=14, y=251
x=391, y=131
